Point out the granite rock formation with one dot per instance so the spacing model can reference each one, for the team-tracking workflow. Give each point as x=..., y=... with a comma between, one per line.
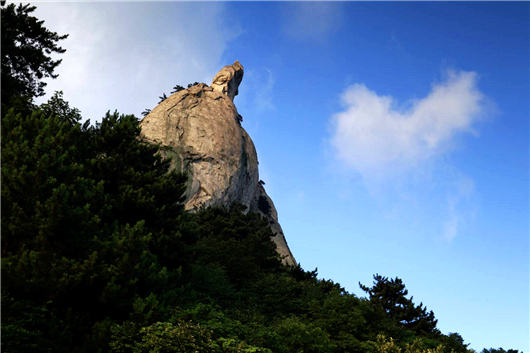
x=227, y=80
x=200, y=128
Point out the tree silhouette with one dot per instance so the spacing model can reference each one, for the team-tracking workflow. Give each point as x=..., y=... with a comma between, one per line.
x=177, y=88
x=389, y=295
x=26, y=49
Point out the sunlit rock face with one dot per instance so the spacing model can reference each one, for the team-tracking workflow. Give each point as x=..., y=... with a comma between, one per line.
x=227, y=80
x=200, y=129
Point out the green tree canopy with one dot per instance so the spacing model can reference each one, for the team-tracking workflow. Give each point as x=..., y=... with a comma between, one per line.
x=499, y=350
x=90, y=226
x=26, y=48
x=389, y=295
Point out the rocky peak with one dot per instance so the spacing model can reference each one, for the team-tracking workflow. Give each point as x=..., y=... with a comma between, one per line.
x=199, y=128
x=228, y=79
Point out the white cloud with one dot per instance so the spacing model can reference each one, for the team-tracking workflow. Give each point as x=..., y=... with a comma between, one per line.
x=394, y=150
x=312, y=21
x=374, y=136
x=124, y=55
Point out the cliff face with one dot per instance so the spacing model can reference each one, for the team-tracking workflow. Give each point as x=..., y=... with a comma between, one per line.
x=200, y=129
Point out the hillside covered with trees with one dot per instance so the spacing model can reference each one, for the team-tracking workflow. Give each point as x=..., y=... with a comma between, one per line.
x=99, y=255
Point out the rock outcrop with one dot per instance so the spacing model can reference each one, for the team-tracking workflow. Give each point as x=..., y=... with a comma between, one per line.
x=200, y=128
x=227, y=80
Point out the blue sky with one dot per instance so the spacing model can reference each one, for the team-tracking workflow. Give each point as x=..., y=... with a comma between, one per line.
x=393, y=137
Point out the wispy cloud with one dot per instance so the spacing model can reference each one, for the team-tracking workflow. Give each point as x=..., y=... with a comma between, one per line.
x=257, y=91
x=263, y=98
x=124, y=55
x=373, y=135
x=460, y=207
x=312, y=21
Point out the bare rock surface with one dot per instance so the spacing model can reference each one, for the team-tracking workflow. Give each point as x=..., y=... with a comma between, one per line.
x=200, y=129
x=228, y=79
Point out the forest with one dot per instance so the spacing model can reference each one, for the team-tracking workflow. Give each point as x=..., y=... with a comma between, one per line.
x=99, y=255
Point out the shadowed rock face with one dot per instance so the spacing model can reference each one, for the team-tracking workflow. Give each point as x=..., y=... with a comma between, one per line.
x=199, y=128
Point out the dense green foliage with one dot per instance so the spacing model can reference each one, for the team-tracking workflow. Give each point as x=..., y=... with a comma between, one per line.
x=26, y=49
x=98, y=255
x=389, y=296
x=499, y=350
x=87, y=215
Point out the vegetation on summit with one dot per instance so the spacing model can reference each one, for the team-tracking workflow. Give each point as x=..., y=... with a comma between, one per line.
x=163, y=97
x=98, y=254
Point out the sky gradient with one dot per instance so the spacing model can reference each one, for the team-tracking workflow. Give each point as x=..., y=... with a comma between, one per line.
x=393, y=137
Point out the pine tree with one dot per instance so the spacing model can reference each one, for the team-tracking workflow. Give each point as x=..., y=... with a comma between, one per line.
x=91, y=227
x=499, y=350
x=389, y=296
x=146, y=112
x=177, y=88
x=26, y=49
